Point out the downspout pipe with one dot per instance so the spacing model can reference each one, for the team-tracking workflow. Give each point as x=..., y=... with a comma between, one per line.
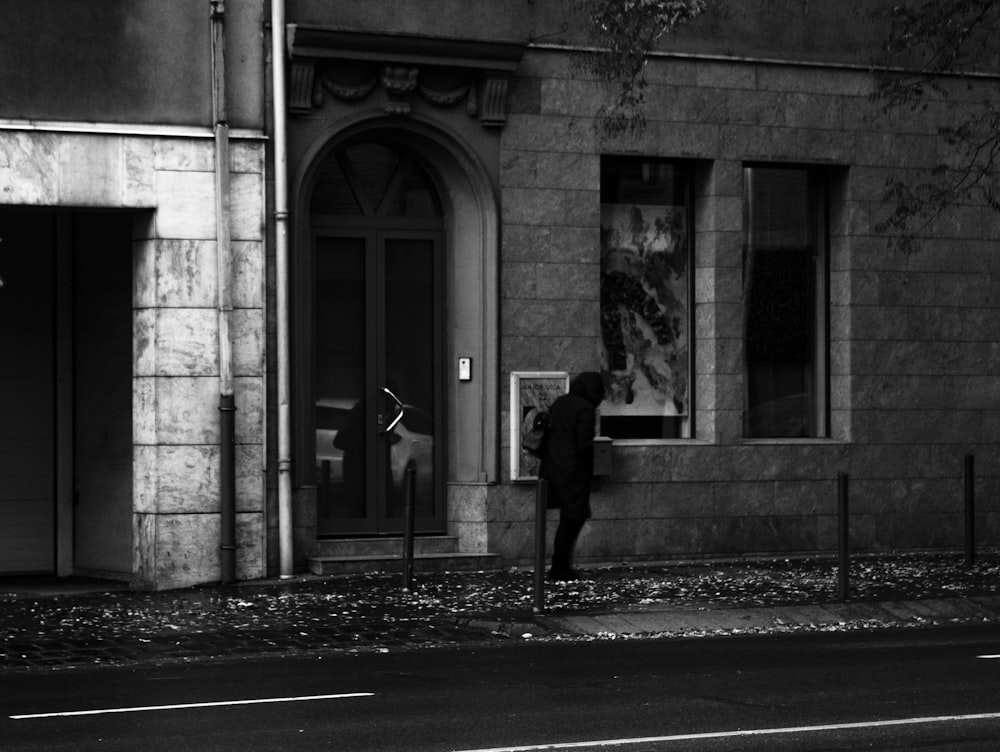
x=281, y=282
x=224, y=263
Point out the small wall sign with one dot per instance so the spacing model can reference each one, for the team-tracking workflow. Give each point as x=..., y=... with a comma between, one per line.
x=530, y=391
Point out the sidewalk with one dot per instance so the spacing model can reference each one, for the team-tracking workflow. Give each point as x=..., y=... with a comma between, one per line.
x=72, y=623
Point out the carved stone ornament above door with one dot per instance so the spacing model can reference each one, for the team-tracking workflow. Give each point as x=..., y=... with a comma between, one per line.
x=350, y=67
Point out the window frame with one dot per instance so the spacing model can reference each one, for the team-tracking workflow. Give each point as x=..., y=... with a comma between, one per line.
x=685, y=174
x=820, y=185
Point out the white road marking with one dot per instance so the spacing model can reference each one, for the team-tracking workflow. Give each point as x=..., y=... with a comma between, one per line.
x=185, y=706
x=744, y=732
x=988, y=656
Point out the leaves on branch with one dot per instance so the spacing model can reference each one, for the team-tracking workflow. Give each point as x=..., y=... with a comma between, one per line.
x=622, y=33
x=931, y=43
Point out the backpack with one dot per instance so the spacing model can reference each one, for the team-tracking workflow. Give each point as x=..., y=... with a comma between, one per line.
x=533, y=442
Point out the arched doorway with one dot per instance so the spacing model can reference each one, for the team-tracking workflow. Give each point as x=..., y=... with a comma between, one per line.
x=377, y=237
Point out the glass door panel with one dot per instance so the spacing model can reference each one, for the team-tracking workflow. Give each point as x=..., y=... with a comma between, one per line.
x=410, y=341
x=377, y=330
x=343, y=424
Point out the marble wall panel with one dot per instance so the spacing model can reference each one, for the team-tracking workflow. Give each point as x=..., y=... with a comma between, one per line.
x=29, y=168
x=187, y=550
x=521, y=353
x=561, y=281
x=248, y=274
x=246, y=200
x=571, y=96
x=246, y=156
x=643, y=463
x=144, y=342
x=90, y=171
x=553, y=318
x=724, y=76
x=573, y=354
x=519, y=169
x=568, y=170
x=145, y=476
x=249, y=409
x=251, y=546
x=185, y=155
x=186, y=410
x=554, y=244
x=247, y=334
x=139, y=188
x=473, y=537
x=524, y=95
x=814, y=111
x=760, y=108
x=759, y=143
x=468, y=502
x=804, y=497
x=144, y=427
x=186, y=273
x=188, y=479
x=144, y=551
x=518, y=280
x=181, y=198
x=250, y=477
x=742, y=499
x=550, y=133
x=187, y=342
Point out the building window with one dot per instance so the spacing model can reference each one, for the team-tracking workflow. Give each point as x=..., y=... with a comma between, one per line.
x=646, y=293
x=785, y=301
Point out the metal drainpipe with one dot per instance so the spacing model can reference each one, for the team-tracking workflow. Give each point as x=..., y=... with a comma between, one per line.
x=227, y=400
x=281, y=281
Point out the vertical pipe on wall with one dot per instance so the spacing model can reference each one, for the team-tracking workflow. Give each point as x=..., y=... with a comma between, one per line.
x=281, y=282
x=227, y=406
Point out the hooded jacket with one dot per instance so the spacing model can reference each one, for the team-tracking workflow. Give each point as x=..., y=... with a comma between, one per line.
x=568, y=462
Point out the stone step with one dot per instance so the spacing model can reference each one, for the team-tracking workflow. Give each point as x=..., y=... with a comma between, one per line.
x=387, y=546
x=426, y=562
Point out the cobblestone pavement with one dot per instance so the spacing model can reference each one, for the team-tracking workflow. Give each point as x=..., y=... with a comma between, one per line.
x=47, y=624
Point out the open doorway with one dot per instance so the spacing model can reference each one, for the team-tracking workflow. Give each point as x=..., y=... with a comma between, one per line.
x=65, y=392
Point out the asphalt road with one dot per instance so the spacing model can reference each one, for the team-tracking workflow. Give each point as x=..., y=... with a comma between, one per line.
x=905, y=690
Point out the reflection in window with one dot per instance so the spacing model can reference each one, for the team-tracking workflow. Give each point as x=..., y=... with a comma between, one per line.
x=645, y=297
x=785, y=302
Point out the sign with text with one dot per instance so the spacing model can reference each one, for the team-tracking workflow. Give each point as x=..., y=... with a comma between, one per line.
x=530, y=392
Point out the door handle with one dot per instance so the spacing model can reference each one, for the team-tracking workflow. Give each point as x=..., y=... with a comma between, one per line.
x=399, y=415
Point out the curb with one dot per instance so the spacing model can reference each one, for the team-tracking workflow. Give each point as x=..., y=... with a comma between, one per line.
x=849, y=616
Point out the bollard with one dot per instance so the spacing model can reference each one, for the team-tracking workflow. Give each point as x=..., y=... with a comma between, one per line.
x=842, y=536
x=970, y=510
x=409, y=492
x=541, y=503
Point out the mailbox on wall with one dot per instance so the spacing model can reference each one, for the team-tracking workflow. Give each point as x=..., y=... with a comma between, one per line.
x=602, y=456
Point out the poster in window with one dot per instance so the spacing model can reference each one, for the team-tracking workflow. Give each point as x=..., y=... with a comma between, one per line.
x=644, y=309
x=530, y=392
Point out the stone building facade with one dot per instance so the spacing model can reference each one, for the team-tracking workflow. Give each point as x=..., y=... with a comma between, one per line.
x=894, y=381
x=423, y=202
x=110, y=305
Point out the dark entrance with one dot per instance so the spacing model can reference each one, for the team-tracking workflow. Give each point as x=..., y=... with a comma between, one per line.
x=66, y=392
x=377, y=232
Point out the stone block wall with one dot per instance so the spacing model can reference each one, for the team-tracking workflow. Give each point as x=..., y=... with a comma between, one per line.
x=176, y=397
x=166, y=179
x=913, y=338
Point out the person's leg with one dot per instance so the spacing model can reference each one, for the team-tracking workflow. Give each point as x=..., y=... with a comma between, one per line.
x=562, y=547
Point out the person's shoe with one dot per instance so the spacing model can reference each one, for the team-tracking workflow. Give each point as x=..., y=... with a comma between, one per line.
x=563, y=575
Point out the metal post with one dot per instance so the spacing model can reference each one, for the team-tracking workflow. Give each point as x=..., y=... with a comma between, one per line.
x=409, y=492
x=227, y=462
x=541, y=502
x=842, y=535
x=282, y=309
x=970, y=510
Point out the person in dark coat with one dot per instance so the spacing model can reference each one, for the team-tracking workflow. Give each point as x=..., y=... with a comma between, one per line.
x=568, y=465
